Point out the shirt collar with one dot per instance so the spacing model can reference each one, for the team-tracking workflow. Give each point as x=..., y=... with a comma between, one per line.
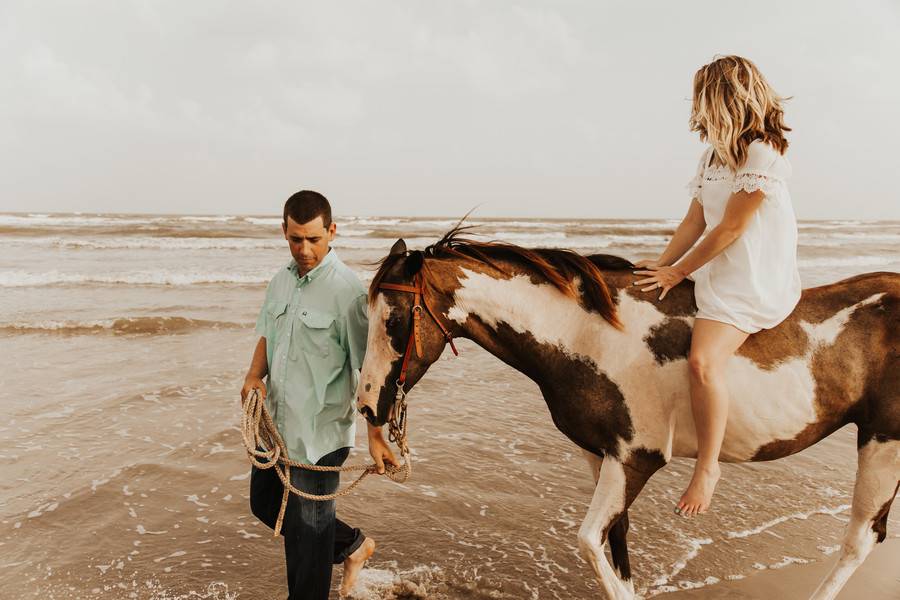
x=323, y=267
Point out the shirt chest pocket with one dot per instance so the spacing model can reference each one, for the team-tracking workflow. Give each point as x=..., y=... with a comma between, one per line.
x=275, y=311
x=315, y=333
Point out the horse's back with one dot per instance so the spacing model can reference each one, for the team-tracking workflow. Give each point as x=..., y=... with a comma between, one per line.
x=833, y=361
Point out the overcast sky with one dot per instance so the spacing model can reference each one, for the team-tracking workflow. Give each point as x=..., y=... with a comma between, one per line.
x=564, y=108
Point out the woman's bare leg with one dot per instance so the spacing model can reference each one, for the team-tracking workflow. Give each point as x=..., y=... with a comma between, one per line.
x=712, y=344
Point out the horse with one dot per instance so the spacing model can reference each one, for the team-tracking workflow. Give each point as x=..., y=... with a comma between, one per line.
x=612, y=365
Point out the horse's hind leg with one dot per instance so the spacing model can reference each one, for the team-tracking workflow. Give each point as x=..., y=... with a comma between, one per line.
x=618, y=485
x=876, y=485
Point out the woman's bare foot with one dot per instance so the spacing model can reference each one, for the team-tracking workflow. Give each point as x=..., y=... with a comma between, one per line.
x=697, y=497
x=354, y=564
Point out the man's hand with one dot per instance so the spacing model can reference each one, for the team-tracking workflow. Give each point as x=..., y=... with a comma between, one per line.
x=251, y=383
x=379, y=449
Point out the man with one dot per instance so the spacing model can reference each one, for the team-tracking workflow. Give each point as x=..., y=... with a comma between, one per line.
x=313, y=327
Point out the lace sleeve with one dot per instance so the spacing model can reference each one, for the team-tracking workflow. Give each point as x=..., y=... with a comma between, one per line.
x=694, y=187
x=749, y=181
x=760, y=171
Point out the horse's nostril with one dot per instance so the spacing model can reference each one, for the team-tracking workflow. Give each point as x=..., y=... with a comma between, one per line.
x=368, y=413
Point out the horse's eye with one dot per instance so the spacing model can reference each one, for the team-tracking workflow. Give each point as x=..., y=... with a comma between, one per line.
x=392, y=322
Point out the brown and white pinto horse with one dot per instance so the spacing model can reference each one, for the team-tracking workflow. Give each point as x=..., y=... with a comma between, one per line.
x=612, y=365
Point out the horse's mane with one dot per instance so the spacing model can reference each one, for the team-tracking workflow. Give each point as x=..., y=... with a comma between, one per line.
x=558, y=266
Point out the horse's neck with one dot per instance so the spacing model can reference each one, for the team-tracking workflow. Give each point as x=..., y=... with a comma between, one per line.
x=520, y=321
x=531, y=326
x=563, y=347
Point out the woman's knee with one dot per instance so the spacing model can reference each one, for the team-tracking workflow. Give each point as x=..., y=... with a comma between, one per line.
x=702, y=367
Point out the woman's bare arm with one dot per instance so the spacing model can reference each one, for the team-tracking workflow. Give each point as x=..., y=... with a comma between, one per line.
x=740, y=208
x=686, y=234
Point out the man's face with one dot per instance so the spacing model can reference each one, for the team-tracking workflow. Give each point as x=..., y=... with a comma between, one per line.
x=308, y=241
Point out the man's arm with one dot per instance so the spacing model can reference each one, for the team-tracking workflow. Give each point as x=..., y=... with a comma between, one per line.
x=379, y=449
x=259, y=368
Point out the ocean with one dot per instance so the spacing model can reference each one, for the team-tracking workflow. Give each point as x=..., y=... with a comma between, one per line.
x=125, y=339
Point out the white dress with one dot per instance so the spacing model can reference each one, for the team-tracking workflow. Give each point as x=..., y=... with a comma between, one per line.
x=754, y=283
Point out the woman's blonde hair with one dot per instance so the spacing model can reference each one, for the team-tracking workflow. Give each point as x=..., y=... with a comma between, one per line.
x=733, y=106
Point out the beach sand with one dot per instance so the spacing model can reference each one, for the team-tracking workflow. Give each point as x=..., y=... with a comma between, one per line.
x=877, y=579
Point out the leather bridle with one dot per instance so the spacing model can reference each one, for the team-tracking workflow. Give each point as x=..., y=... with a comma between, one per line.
x=415, y=341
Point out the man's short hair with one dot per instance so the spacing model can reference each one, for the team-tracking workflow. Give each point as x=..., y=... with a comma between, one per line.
x=306, y=205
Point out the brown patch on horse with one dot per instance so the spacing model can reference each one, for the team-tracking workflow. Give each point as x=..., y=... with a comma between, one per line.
x=618, y=545
x=770, y=348
x=639, y=466
x=850, y=374
x=679, y=302
x=669, y=340
x=879, y=414
x=585, y=405
x=879, y=523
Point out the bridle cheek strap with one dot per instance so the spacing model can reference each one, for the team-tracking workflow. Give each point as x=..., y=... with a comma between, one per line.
x=415, y=340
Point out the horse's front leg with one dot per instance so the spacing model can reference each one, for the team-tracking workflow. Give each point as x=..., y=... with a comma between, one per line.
x=618, y=485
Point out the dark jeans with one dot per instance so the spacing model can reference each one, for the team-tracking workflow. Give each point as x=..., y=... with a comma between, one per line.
x=314, y=538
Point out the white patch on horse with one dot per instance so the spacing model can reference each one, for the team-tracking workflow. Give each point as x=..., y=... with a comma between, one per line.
x=765, y=405
x=516, y=301
x=826, y=333
x=380, y=355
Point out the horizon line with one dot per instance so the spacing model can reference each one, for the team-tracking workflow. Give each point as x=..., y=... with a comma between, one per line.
x=390, y=216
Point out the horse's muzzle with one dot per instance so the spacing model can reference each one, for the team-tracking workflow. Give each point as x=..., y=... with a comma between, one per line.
x=368, y=411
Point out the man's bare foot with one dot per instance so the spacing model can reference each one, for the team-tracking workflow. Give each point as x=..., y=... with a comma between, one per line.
x=354, y=564
x=697, y=497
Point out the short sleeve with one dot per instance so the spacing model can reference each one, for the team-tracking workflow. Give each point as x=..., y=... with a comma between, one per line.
x=263, y=320
x=761, y=171
x=696, y=184
x=356, y=330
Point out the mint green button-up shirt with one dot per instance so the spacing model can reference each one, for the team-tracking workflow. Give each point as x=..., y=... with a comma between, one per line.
x=315, y=328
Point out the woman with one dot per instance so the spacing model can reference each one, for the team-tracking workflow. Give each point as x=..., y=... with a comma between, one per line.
x=745, y=268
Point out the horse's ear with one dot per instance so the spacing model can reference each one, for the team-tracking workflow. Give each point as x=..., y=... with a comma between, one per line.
x=414, y=263
x=399, y=247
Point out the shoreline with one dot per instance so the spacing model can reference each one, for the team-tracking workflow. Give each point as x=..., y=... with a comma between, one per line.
x=878, y=578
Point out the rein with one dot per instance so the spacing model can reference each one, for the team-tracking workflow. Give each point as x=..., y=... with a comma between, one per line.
x=397, y=417
x=266, y=450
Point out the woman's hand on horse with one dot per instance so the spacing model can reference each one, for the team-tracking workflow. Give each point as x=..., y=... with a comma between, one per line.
x=646, y=262
x=251, y=383
x=664, y=278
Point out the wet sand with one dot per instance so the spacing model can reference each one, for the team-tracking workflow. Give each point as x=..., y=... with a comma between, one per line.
x=877, y=579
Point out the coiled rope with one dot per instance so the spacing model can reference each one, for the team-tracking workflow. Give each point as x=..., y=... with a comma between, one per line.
x=266, y=450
